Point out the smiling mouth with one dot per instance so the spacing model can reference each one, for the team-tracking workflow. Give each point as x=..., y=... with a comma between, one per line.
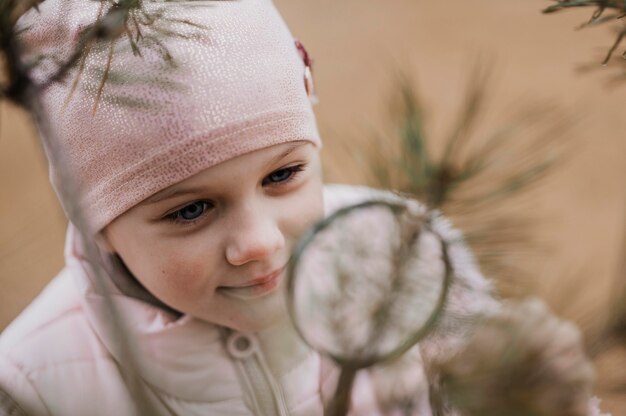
x=255, y=288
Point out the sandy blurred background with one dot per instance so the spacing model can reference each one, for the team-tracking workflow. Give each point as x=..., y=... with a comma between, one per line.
x=358, y=47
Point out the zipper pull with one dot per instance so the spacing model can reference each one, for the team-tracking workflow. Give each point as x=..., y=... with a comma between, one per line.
x=241, y=346
x=266, y=395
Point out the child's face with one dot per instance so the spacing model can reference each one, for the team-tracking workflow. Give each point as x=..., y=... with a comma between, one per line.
x=215, y=245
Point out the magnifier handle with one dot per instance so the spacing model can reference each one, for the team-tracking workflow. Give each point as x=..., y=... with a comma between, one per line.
x=340, y=404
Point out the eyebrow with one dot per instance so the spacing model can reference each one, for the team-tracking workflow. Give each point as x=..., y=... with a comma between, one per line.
x=175, y=191
x=287, y=152
x=168, y=193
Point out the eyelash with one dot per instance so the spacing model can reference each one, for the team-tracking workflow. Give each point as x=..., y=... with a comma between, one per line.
x=293, y=173
x=176, y=216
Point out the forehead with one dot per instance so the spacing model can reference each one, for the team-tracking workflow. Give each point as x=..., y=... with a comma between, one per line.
x=238, y=168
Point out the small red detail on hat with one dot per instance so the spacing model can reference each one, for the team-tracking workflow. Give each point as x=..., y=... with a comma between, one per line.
x=304, y=54
x=308, y=70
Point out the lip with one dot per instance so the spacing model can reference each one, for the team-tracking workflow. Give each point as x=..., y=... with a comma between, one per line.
x=257, y=287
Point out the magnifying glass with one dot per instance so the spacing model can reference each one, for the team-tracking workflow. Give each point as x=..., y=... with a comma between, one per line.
x=366, y=284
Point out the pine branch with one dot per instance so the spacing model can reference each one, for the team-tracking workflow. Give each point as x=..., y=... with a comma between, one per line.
x=127, y=19
x=597, y=17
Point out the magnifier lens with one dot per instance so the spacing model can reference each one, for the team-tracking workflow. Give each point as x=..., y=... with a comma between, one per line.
x=366, y=281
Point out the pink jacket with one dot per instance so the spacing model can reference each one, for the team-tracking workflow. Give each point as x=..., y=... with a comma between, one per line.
x=62, y=355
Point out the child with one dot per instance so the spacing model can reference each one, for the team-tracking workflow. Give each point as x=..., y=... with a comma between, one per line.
x=192, y=180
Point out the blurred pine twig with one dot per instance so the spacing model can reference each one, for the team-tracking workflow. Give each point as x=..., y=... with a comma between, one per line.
x=117, y=19
x=475, y=175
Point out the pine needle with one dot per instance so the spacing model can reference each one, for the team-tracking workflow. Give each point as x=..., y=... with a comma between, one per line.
x=597, y=17
x=474, y=175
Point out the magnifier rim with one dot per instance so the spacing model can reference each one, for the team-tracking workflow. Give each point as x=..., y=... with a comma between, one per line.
x=403, y=346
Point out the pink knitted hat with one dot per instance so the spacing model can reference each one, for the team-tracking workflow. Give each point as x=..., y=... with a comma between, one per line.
x=235, y=84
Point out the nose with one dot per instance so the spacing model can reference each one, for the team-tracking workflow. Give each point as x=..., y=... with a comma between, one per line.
x=254, y=236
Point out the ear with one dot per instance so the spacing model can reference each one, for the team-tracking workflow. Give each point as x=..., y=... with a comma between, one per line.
x=103, y=242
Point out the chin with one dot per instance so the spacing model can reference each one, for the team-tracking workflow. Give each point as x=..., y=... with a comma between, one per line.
x=261, y=315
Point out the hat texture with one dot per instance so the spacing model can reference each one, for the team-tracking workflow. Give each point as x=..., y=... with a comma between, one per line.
x=212, y=80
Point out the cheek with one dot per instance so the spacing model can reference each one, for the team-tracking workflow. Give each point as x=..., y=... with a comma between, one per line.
x=303, y=212
x=179, y=273
x=175, y=272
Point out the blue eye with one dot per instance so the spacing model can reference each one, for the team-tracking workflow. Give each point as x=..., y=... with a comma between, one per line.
x=282, y=175
x=190, y=212
x=279, y=175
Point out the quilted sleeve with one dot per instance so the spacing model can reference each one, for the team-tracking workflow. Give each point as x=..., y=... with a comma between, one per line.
x=8, y=406
x=17, y=394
